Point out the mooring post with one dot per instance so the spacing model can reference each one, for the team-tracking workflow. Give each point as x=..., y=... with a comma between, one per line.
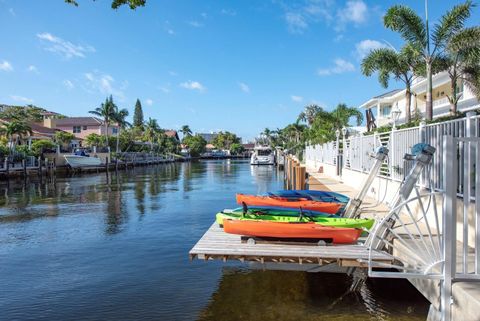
x=24, y=164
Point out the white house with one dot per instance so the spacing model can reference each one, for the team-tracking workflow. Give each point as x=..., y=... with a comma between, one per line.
x=381, y=106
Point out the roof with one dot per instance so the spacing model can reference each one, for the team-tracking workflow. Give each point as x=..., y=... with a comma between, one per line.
x=249, y=145
x=172, y=133
x=79, y=121
x=37, y=128
x=389, y=93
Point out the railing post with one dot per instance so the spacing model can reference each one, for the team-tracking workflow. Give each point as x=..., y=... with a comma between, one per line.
x=422, y=129
x=392, y=153
x=450, y=177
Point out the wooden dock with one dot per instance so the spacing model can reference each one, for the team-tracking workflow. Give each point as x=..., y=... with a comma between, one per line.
x=215, y=244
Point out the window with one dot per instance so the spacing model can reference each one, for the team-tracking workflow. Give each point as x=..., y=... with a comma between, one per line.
x=77, y=129
x=84, y=127
x=114, y=130
x=386, y=110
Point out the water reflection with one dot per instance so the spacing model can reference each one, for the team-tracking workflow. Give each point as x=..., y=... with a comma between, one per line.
x=278, y=295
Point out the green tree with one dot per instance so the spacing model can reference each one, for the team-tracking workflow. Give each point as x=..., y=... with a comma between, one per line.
x=236, y=149
x=186, y=131
x=401, y=65
x=342, y=114
x=120, y=117
x=94, y=140
x=462, y=56
x=309, y=113
x=138, y=115
x=14, y=131
x=39, y=146
x=63, y=138
x=224, y=140
x=151, y=131
x=133, y=4
x=415, y=31
x=106, y=111
x=196, y=144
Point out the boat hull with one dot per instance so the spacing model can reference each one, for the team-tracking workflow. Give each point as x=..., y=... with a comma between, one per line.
x=336, y=235
x=325, y=207
x=322, y=196
x=76, y=161
x=321, y=220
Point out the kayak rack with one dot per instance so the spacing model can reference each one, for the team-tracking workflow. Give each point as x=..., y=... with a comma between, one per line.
x=215, y=244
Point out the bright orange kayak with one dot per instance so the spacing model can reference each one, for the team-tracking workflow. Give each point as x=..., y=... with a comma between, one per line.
x=297, y=230
x=325, y=207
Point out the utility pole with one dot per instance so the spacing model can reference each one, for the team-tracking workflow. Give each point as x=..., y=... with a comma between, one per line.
x=428, y=60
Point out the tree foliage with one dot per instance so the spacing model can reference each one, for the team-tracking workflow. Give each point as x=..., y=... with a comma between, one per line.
x=138, y=115
x=224, y=140
x=133, y=4
x=196, y=144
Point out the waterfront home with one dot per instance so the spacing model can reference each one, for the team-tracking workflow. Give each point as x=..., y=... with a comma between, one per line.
x=381, y=107
x=81, y=127
x=172, y=133
x=38, y=132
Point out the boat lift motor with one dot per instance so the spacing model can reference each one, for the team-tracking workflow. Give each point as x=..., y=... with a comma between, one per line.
x=422, y=154
x=353, y=206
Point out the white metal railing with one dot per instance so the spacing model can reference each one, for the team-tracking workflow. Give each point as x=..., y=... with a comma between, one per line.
x=356, y=149
x=430, y=241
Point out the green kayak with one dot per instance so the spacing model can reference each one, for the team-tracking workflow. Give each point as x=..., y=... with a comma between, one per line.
x=322, y=220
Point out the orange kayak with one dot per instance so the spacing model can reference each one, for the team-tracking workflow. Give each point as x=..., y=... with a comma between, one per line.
x=325, y=207
x=296, y=230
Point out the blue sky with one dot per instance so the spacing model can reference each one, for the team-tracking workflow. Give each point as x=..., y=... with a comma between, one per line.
x=214, y=65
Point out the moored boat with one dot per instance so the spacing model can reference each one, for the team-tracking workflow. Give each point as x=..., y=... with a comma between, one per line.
x=325, y=207
x=262, y=155
x=292, y=230
x=77, y=161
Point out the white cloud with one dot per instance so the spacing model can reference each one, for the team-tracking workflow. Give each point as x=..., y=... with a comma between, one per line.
x=104, y=84
x=297, y=99
x=244, y=87
x=63, y=47
x=228, y=12
x=193, y=85
x=195, y=24
x=364, y=47
x=296, y=22
x=6, y=66
x=165, y=90
x=355, y=11
x=340, y=66
x=33, y=69
x=68, y=84
x=22, y=99
x=149, y=102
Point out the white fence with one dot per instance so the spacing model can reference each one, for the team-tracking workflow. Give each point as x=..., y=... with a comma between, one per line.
x=356, y=150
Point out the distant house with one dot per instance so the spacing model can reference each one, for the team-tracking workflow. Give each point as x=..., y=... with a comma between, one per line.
x=81, y=127
x=379, y=108
x=38, y=131
x=172, y=133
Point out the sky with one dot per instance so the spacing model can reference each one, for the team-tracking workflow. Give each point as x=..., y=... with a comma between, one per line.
x=215, y=65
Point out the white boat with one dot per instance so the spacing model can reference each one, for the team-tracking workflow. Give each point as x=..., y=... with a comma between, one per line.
x=262, y=155
x=77, y=161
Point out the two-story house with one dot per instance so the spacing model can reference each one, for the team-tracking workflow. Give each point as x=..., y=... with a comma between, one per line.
x=381, y=106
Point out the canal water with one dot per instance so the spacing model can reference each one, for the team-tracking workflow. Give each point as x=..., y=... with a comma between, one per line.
x=98, y=247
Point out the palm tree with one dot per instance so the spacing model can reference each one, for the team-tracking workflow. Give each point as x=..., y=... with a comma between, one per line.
x=401, y=65
x=151, y=131
x=461, y=60
x=17, y=129
x=309, y=113
x=186, y=131
x=415, y=31
x=106, y=111
x=342, y=114
x=120, y=117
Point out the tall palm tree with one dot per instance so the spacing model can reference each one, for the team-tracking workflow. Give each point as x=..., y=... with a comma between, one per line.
x=415, y=31
x=186, y=131
x=401, y=65
x=106, y=111
x=151, y=131
x=342, y=114
x=120, y=117
x=461, y=59
x=15, y=129
x=309, y=113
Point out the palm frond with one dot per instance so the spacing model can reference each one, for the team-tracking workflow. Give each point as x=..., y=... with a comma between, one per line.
x=450, y=23
x=406, y=21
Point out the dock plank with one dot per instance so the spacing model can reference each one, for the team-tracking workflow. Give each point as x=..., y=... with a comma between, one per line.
x=216, y=244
